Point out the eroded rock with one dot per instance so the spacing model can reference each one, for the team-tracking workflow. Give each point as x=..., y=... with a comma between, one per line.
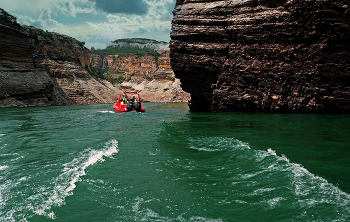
x=263, y=55
x=39, y=68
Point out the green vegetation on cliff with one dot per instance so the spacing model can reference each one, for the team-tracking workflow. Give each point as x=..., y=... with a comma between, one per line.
x=139, y=41
x=106, y=73
x=122, y=51
x=138, y=46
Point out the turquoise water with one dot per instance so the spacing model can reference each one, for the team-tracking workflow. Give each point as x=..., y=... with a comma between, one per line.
x=88, y=163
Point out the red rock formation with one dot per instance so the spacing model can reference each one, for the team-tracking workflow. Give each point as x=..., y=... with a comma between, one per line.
x=163, y=88
x=263, y=55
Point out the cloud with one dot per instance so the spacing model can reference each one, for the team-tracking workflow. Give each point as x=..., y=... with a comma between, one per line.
x=156, y=24
x=141, y=31
x=97, y=22
x=68, y=8
x=44, y=21
x=163, y=9
x=47, y=22
x=139, y=7
x=26, y=20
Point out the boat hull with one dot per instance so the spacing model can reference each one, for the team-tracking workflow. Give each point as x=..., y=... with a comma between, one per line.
x=128, y=101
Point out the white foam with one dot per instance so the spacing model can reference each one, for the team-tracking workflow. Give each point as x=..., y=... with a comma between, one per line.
x=6, y=188
x=106, y=111
x=215, y=144
x=261, y=191
x=310, y=190
x=204, y=219
x=146, y=214
x=272, y=152
x=65, y=183
x=3, y=167
x=272, y=203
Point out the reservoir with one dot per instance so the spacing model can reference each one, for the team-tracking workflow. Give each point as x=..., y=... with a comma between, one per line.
x=89, y=163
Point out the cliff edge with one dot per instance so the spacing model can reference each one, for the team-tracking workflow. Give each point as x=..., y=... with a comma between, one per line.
x=39, y=68
x=263, y=55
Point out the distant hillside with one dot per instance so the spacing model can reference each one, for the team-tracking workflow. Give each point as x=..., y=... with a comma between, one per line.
x=133, y=45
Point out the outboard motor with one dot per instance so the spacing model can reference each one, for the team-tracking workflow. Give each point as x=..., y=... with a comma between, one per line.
x=138, y=106
x=129, y=106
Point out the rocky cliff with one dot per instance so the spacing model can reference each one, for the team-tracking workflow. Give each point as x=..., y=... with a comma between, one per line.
x=39, y=68
x=152, y=77
x=263, y=55
x=126, y=64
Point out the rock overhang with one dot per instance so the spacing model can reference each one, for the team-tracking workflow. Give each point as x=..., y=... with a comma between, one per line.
x=285, y=56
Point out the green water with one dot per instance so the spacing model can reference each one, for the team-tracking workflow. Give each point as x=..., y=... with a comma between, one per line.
x=88, y=163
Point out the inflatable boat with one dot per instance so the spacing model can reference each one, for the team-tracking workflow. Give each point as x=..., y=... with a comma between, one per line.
x=128, y=101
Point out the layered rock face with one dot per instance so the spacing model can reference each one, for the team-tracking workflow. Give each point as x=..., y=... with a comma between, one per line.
x=126, y=64
x=263, y=55
x=40, y=68
x=163, y=88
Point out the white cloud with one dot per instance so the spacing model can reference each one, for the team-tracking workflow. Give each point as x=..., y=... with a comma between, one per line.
x=82, y=19
x=50, y=24
x=67, y=7
x=153, y=21
x=25, y=20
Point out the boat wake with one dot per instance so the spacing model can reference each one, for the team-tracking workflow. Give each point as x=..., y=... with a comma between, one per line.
x=53, y=194
x=147, y=214
x=265, y=180
x=65, y=183
x=106, y=111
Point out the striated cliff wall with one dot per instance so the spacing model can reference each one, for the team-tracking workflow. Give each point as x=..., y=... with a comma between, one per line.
x=263, y=55
x=164, y=87
x=39, y=68
x=152, y=78
x=126, y=64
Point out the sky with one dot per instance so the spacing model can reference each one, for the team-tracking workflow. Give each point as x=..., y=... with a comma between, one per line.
x=96, y=22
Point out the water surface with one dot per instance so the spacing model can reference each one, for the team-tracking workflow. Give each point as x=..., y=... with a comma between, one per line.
x=88, y=163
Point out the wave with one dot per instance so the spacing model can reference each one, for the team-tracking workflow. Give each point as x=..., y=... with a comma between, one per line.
x=3, y=167
x=267, y=180
x=5, y=195
x=65, y=183
x=146, y=214
x=54, y=194
x=215, y=144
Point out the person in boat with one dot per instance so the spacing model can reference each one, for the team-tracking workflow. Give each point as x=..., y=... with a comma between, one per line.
x=133, y=99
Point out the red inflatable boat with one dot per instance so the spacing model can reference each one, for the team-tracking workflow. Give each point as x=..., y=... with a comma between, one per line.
x=128, y=101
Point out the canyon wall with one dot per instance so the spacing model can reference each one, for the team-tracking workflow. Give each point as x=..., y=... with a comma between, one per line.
x=126, y=64
x=152, y=77
x=263, y=55
x=39, y=68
